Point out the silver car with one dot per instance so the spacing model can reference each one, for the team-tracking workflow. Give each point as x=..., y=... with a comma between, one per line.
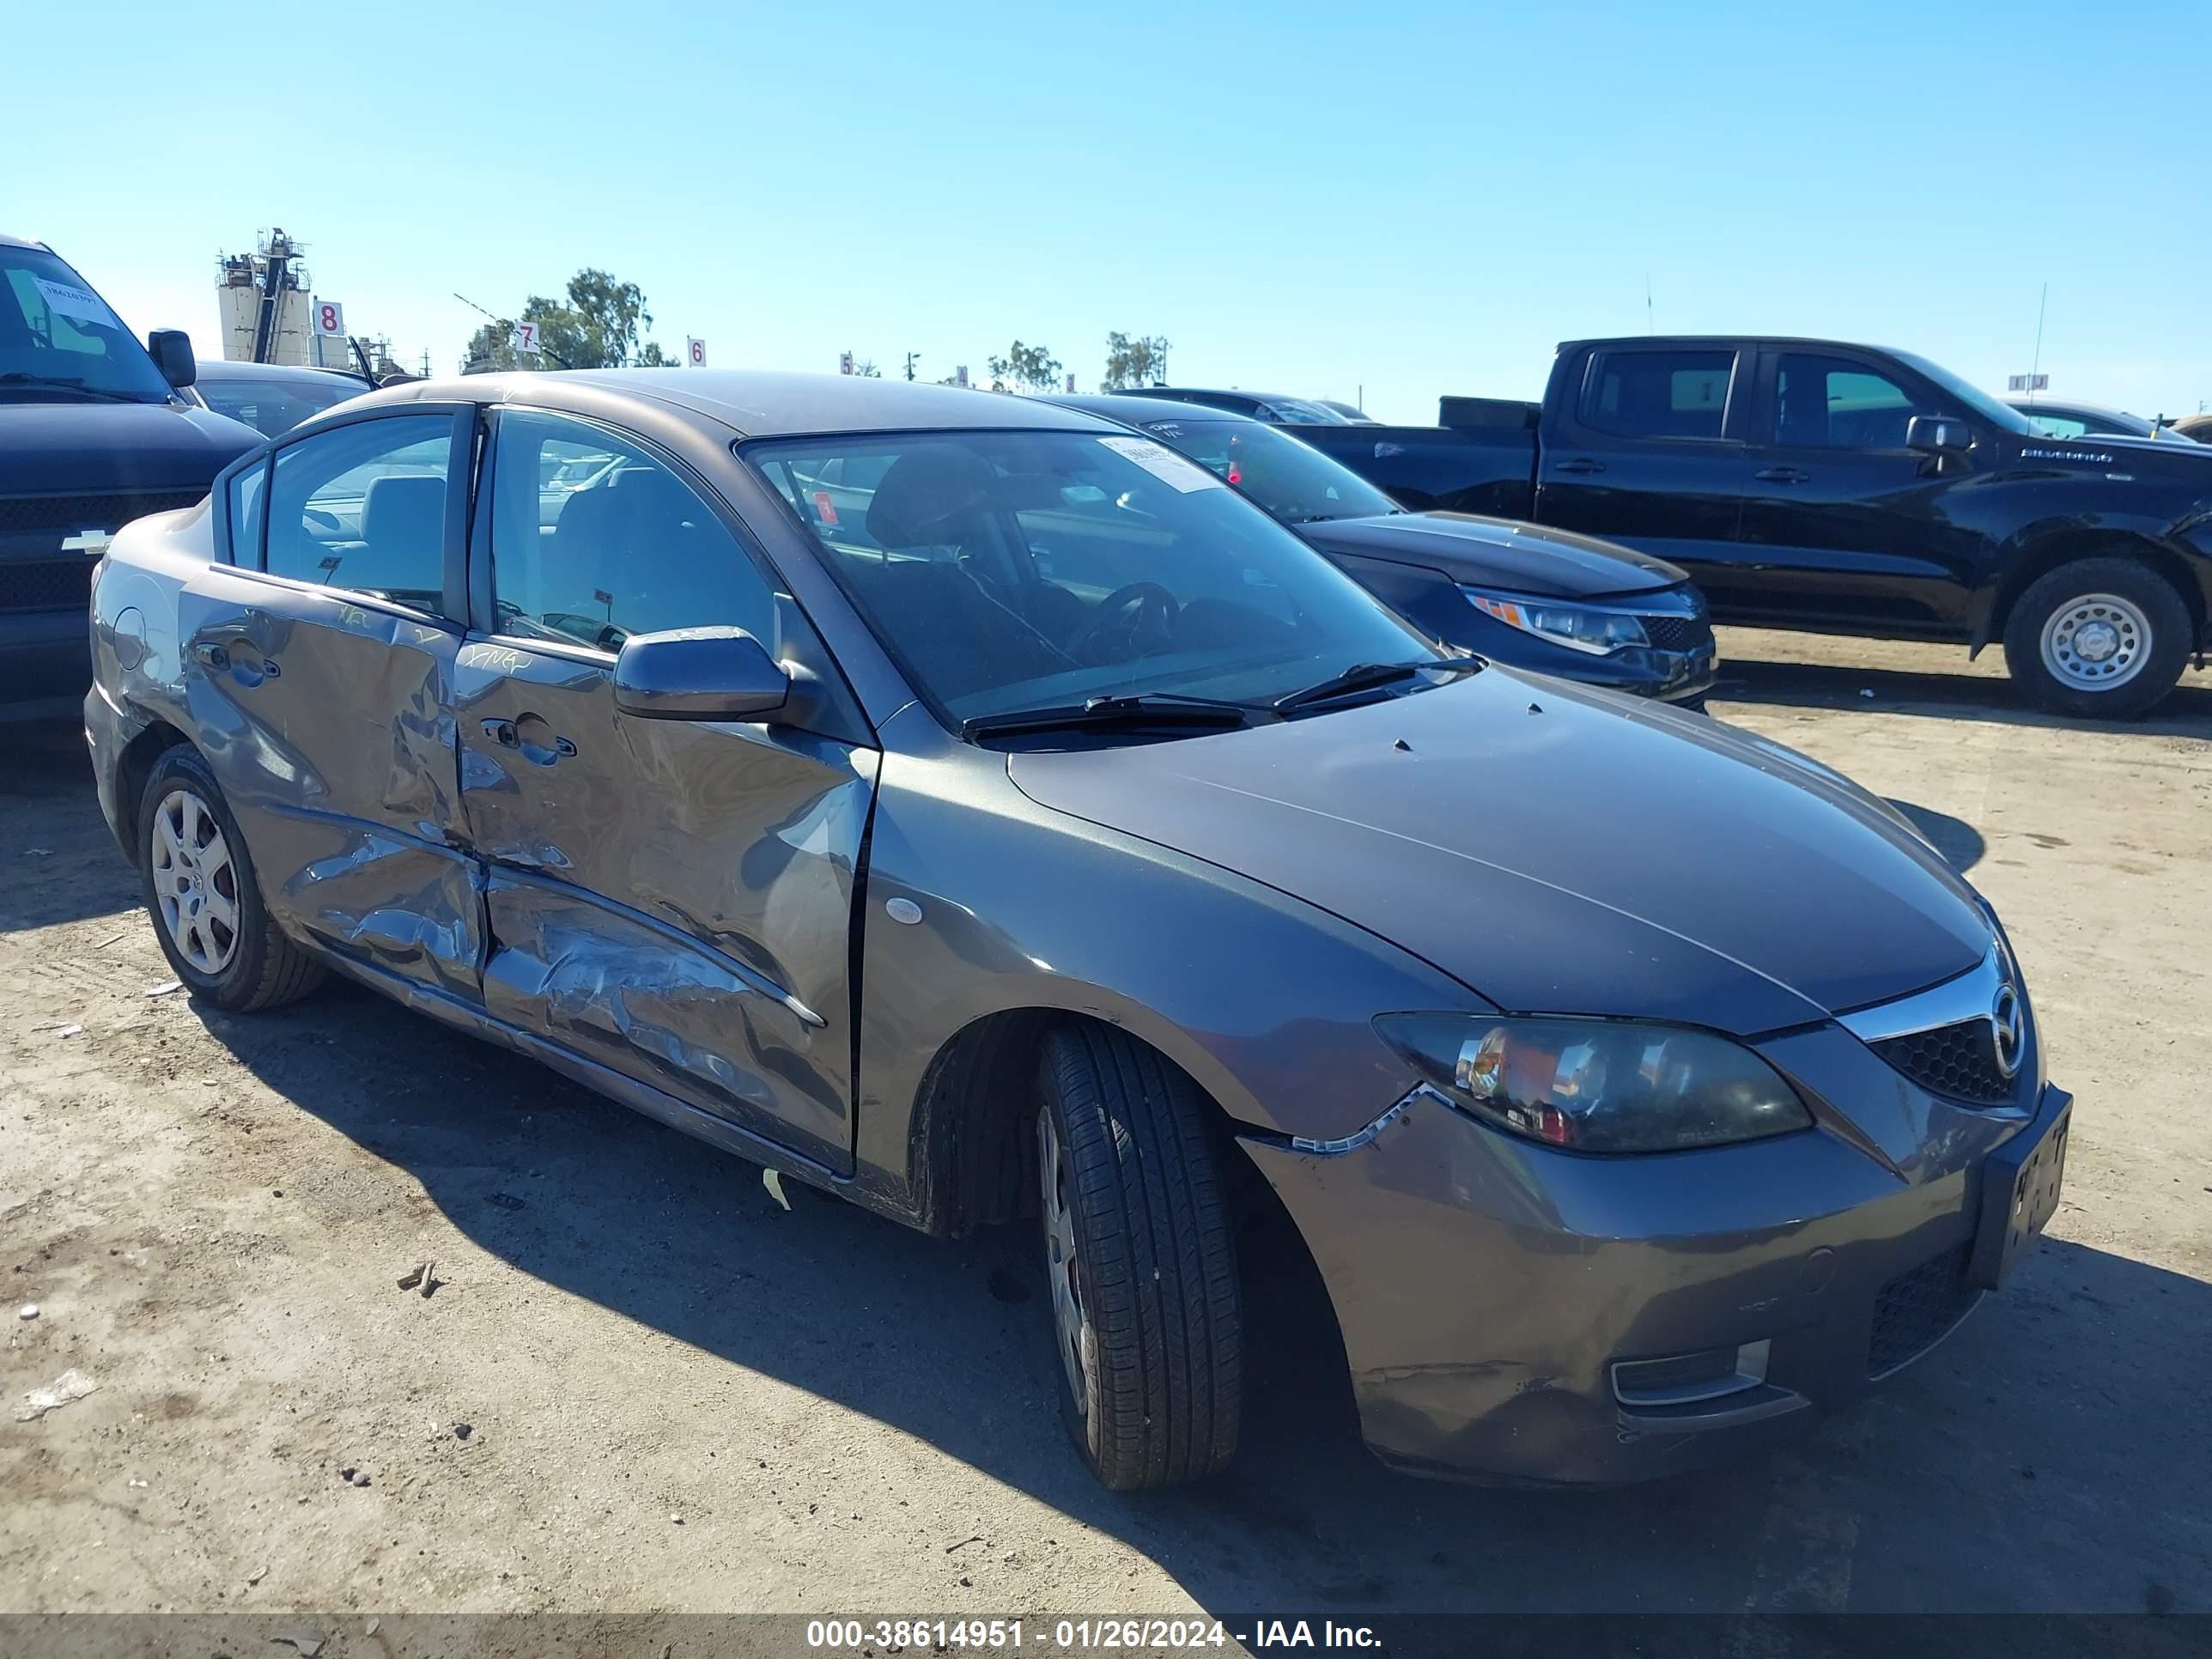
x=975, y=809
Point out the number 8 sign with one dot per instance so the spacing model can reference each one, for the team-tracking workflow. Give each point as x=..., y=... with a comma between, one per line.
x=330, y=317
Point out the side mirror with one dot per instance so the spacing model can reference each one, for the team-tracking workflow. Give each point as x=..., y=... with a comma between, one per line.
x=1938, y=435
x=698, y=674
x=172, y=351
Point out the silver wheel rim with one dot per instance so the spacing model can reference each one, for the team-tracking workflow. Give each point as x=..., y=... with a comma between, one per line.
x=1071, y=1319
x=195, y=882
x=2096, y=642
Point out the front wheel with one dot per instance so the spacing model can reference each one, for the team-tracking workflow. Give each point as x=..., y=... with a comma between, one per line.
x=2106, y=638
x=1140, y=1262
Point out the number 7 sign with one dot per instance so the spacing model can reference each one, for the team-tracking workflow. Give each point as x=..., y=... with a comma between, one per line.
x=523, y=336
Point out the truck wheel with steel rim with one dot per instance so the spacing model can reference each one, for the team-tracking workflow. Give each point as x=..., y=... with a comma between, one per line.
x=2107, y=638
x=1139, y=1260
x=201, y=892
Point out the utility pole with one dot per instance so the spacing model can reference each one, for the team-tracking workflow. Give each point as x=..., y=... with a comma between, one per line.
x=2036, y=362
x=912, y=358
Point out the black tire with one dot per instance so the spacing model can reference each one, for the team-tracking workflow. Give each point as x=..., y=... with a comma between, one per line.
x=263, y=968
x=1154, y=1261
x=2159, y=657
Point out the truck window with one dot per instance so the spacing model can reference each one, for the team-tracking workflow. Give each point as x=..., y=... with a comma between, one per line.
x=1832, y=403
x=1668, y=394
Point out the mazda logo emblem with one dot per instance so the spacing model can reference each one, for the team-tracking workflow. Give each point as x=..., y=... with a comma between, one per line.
x=2006, y=1034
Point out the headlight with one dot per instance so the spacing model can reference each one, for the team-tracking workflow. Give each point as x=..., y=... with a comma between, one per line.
x=1598, y=1086
x=1578, y=627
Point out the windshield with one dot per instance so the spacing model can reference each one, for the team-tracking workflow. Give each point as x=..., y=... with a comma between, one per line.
x=274, y=406
x=1018, y=570
x=1295, y=481
x=1977, y=401
x=59, y=340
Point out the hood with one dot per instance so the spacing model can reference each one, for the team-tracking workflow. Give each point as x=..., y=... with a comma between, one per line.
x=72, y=448
x=1601, y=857
x=1525, y=558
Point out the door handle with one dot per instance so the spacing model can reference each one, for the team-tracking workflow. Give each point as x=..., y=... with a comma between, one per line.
x=1580, y=463
x=229, y=652
x=501, y=733
x=1781, y=475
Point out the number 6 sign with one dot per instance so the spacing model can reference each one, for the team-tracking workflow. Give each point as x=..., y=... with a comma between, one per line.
x=523, y=336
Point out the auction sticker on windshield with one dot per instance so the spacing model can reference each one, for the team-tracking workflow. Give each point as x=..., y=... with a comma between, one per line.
x=78, y=304
x=1170, y=468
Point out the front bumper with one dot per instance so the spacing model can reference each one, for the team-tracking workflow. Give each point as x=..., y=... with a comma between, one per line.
x=1486, y=1287
x=46, y=663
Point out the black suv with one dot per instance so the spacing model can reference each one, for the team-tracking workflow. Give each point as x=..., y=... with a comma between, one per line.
x=93, y=434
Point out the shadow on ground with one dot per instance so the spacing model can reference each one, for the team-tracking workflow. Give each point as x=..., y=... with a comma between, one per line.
x=2186, y=712
x=66, y=868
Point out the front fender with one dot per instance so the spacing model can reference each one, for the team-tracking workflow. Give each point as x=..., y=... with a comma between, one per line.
x=2069, y=517
x=1264, y=999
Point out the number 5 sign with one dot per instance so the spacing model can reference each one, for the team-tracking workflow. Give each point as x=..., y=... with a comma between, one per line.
x=330, y=318
x=523, y=336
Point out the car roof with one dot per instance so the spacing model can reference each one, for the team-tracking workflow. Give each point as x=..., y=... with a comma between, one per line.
x=2058, y=405
x=1143, y=411
x=1173, y=392
x=226, y=368
x=1728, y=341
x=22, y=241
x=755, y=405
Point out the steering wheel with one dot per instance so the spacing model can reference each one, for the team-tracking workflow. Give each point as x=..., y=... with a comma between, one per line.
x=1151, y=600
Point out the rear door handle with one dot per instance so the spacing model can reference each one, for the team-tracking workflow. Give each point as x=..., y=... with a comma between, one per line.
x=1580, y=463
x=1781, y=475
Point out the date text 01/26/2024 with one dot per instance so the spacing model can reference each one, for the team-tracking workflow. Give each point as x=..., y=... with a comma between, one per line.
x=1082, y=1635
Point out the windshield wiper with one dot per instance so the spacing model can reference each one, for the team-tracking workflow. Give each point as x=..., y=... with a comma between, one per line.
x=1368, y=676
x=1143, y=709
x=63, y=383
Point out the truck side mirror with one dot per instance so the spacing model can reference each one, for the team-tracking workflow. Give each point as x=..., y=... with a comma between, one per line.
x=1938, y=435
x=172, y=351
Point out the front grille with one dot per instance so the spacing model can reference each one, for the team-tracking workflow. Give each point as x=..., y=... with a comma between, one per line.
x=73, y=513
x=47, y=584
x=1916, y=1309
x=1678, y=633
x=1958, y=1061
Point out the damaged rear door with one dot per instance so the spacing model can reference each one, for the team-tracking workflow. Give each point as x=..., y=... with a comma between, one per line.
x=672, y=900
x=318, y=670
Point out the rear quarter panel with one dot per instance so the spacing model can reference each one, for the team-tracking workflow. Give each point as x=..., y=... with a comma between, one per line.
x=1437, y=469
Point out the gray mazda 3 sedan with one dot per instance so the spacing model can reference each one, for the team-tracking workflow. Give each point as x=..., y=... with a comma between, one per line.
x=975, y=809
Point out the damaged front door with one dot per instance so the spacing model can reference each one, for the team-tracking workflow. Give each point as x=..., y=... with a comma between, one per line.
x=668, y=899
x=320, y=668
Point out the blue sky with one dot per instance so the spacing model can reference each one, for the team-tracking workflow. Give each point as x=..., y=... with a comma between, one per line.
x=1417, y=198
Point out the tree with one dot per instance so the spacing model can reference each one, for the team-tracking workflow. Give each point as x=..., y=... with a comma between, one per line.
x=1140, y=361
x=866, y=370
x=1033, y=368
x=595, y=327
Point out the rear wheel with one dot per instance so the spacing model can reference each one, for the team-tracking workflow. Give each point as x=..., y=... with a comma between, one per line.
x=2106, y=638
x=201, y=891
x=1140, y=1259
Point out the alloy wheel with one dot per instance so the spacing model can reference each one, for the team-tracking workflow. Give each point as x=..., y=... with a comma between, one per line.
x=195, y=882
x=1073, y=1333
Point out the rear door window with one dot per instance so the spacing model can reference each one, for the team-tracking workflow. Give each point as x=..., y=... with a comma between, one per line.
x=1671, y=392
x=362, y=506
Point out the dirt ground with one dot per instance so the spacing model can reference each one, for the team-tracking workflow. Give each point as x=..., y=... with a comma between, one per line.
x=640, y=1384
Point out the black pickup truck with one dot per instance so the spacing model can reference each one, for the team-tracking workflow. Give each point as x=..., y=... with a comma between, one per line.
x=1839, y=488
